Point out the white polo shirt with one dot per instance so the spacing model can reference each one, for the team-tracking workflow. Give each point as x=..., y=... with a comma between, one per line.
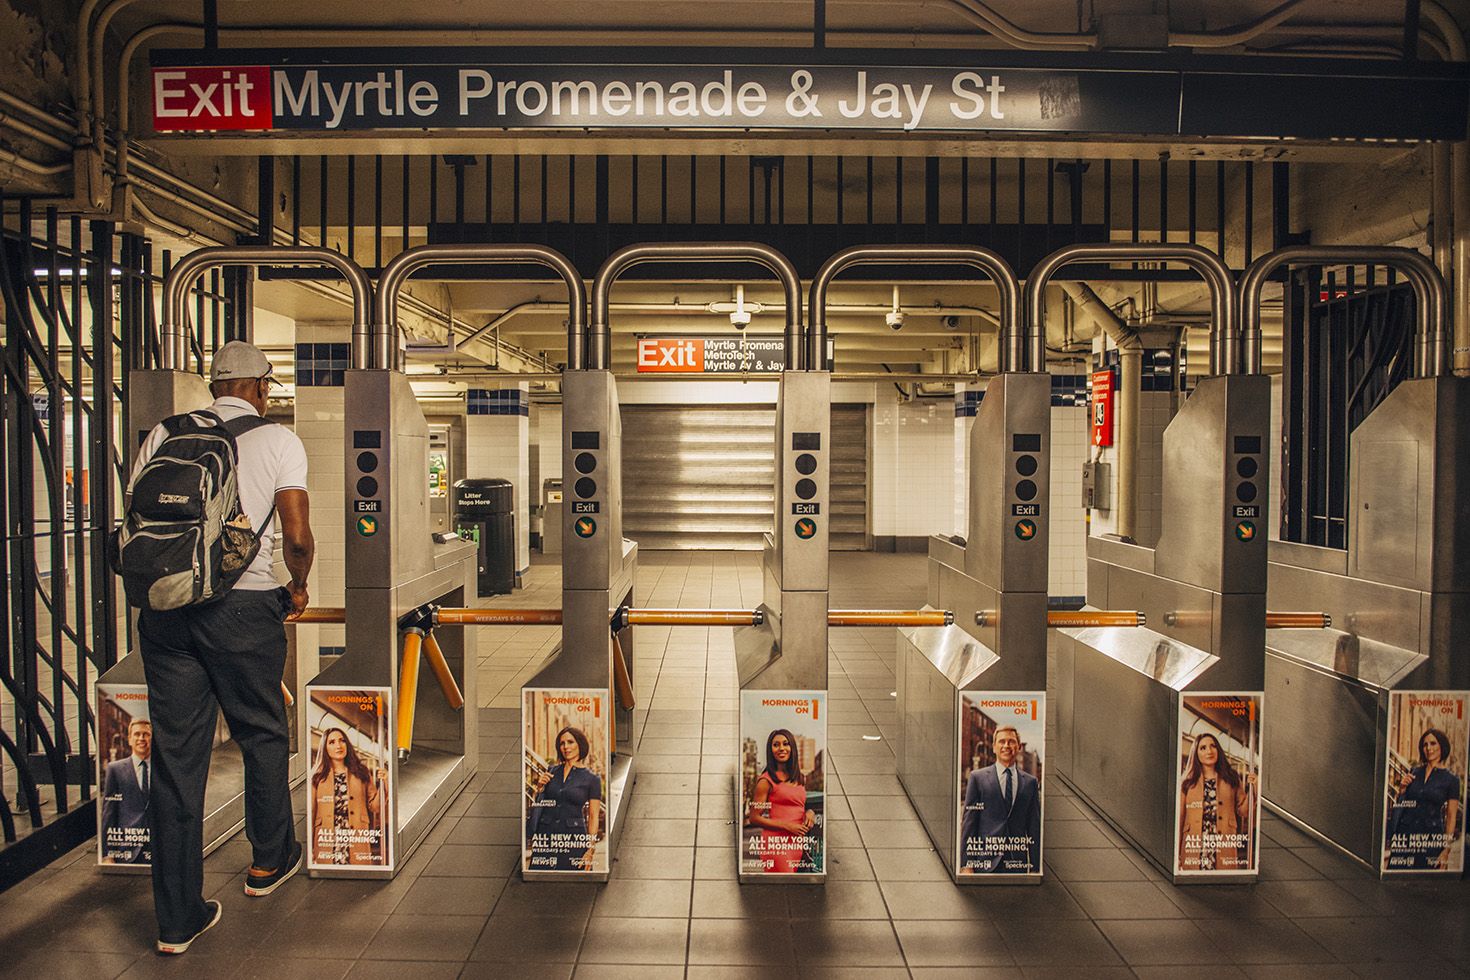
x=272, y=459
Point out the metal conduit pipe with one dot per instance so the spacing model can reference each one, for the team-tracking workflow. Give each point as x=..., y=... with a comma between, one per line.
x=996, y=267
x=1431, y=337
x=377, y=351
x=1224, y=357
x=1458, y=185
x=599, y=334
x=181, y=277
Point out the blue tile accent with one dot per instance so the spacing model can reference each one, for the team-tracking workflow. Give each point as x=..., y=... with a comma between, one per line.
x=1068, y=390
x=967, y=403
x=497, y=401
x=321, y=365
x=1067, y=602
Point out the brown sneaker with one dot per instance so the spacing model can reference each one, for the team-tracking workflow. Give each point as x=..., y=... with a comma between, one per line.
x=260, y=882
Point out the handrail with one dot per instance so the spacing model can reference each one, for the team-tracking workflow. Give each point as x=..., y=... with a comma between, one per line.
x=396, y=273
x=599, y=334
x=1224, y=358
x=182, y=275
x=1431, y=339
x=999, y=270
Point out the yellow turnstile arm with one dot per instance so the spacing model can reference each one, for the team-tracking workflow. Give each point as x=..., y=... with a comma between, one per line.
x=440, y=666
x=408, y=688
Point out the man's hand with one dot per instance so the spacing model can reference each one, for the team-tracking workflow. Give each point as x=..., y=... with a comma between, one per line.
x=299, y=600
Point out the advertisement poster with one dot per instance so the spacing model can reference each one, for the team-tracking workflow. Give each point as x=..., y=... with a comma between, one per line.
x=1424, y=787
x=124, y=775
x=1002, y=765
x=349, y=800
x=1218, y=786
x=783, y=742
x=567, y=741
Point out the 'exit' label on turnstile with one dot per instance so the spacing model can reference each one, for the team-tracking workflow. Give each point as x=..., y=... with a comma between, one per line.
x=367, y=506
x=1243, y=511
x=1025, y=510
x=799, y=509
x=586, y=507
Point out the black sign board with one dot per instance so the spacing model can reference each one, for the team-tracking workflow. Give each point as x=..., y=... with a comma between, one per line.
x=1025, y=510
x=806, y=509
x=367, y=506
x=586, y=507
x=352, y=90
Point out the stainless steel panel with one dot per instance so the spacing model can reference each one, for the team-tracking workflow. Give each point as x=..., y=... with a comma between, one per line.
x=383, y=402
x=1290, y=553
x=1339, y=793
x=1197, y=541
x=1347, y=655
x=590, y=405
x=794, y=649
x=955, y=655
x=1173, y=664
x=1124, y=751
x=804, y=406
x=1013, y=404
x=154, y=396
x=927, y=746
x=1409, y=484
x=1115, y=551
x=1384, y=613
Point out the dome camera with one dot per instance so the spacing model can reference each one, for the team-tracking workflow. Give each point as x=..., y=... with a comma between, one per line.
x=951, y=322
x=894, y=319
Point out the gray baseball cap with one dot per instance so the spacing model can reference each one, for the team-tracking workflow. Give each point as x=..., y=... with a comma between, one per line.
x=238, y=359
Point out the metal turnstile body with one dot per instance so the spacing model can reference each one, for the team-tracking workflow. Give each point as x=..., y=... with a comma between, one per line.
x=782, y=663
x=1121, y=693
x=1400, y=594
x=957, y=684
x=154, y=395
x=577, y=686
x=394, y=567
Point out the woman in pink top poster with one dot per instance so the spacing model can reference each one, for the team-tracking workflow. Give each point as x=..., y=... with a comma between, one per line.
x=778, y=807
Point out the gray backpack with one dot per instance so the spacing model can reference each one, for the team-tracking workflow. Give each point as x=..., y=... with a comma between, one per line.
x=184, y=540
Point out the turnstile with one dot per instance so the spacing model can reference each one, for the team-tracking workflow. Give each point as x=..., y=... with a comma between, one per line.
x=121, y=692
x=1159, y=727
x=1393, y=678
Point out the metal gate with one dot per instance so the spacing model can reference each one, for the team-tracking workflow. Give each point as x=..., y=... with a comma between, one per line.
x=702, y=477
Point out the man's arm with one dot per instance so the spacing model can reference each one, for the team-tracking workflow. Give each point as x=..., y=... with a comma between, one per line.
x=293, y=510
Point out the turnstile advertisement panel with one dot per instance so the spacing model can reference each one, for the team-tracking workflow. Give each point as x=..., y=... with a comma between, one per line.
x=349, y=796
x=1002, y=739
x=1217, y=814
x=567, y=742
x=783, y=743
x=124, y=773
x=1424, y=782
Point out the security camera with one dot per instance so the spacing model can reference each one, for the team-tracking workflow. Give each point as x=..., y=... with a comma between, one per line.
x=894, y=319
x=951, y=322
x=740, y=319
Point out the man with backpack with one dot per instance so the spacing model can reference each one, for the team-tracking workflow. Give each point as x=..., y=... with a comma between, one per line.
x=209, y=494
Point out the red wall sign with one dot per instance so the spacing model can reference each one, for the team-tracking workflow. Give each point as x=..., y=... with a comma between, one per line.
x=665, y=354
x=1102, y=408
x=211, y=99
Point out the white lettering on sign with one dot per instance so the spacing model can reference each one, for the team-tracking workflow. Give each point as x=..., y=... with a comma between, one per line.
x=656, y=355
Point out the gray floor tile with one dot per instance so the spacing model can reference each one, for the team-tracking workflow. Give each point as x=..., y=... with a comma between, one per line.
x=1161, y=942
x=1272, y=942
x=1124, y=900
x=1057, y=942
x=278, y=968
x=722, y=899
x=530, y=939
x=1091, y=864
x=399, y=970
x=304, y=936
x=907, y=864
x=434, y=895
x=643, y=897
x=837, y=900
x=833, y=943
x=949, y=943
x=613, y=939
x=741, y=942
x=426, y=937
x=560, y=899
x=474, y=860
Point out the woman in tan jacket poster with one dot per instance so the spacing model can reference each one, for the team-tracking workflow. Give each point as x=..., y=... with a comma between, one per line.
x=348, y=806
x=1215, y=808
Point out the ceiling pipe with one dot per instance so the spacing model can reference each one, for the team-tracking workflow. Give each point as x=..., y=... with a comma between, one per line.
x=1458, y=199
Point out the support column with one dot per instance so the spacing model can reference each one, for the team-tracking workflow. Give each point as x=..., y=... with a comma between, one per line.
x=322, y=357
x=498, y=445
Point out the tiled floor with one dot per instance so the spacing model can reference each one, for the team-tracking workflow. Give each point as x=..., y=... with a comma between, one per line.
x=673, y=908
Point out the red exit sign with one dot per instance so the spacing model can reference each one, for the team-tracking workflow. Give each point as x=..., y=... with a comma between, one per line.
x=213, y=98
x=666, y=354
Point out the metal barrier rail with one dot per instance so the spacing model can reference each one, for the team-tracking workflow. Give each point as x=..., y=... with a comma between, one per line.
x=889, y=617
x=1081, y=619
x=1297, y=621
x=447, y=616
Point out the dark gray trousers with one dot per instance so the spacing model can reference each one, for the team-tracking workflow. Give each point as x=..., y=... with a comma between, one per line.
x=230, y=655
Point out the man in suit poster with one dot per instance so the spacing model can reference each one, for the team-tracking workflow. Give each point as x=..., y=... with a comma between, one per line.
x=1001, y=737
x=124, y=833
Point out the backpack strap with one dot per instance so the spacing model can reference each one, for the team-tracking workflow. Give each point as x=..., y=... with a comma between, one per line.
x=237, y=427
